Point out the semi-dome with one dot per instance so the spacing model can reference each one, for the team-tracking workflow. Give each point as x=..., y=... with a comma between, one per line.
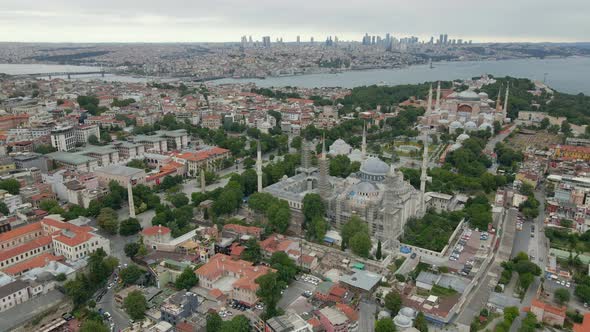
x=365, y=187
x=408, y=312
x=461, y=138
x=483, y=95
x=402, y=321
x=485, y=126
x=470, y=125
x=374, y=166
x=456, y=125
x=468, y=95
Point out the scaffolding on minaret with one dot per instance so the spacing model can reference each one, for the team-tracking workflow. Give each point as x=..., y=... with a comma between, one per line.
x=259, y=166
x=323, y=183
x=424, y=175
x=437, y=97
x=131, y=203
x=499, y=100
x=506, y=100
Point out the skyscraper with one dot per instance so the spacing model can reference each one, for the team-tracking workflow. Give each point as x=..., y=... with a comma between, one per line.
x=266, y=41
x=298, y=39
x=445, y=39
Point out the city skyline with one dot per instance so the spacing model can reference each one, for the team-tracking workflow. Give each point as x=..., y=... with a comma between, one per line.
x=227, y=21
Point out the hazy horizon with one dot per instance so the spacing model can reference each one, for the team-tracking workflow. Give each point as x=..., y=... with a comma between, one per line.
x=222, y=21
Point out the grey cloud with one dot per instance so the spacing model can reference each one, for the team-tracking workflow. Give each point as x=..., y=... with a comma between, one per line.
x=227, y=20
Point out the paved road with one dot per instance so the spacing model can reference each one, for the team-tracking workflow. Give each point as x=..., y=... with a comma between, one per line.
x=119, y=317
x=367, y=316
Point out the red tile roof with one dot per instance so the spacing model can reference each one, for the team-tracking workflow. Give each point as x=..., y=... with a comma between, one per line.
x=159, y=229
x=36, y=243
x=20, y=231
x=549, y=308
x=348, y=311
x=585, y=325
x=244, y=270
x=39, y=261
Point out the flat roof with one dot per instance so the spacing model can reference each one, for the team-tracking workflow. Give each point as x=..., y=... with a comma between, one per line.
x=70, y=158
x=362, y=279
x=121, y=170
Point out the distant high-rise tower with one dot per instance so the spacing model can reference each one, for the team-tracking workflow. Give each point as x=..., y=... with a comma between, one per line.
x=445, y=39
x=266, y=41
x=298, y=39
x=441, y=38
x=311, y=40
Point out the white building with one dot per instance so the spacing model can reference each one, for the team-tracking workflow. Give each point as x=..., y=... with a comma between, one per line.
x=63, y=138
x=83, y=133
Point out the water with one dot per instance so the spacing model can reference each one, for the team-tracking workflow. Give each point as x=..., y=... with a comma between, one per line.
x=25, y=69
x=569, y=75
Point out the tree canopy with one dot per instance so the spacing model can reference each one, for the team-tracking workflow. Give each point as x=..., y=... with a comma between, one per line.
x=135, y=305
x=187, y=279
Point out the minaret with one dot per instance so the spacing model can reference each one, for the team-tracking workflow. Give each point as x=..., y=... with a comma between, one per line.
x=499, y=101
x=130, y=197
x=506, y=100
x=424, y=175
x=437, y=97
x=323, y=183
x=364, y=143
x=203, y=184
x=429, y=109
x=259, y=166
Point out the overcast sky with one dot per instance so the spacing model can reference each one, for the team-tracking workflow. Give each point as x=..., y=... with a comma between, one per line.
x=227, y=20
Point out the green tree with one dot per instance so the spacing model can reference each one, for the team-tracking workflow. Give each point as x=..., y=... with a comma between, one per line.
x=92, y=139
x=384, y=325
x=131, y=274
x=178, y=199
x=378, y=253
x=529, y=323
x=93, y=326
x=269, y=291
x=60, y=277
x=313, y=207
x=129, y=227
x=45, y=148
x=252, y=253
x=237, y=324
x=316, y=231
x=214, y=322
x=561, y=295
x=131, y=249
x=510, y=314
x=420, y=323
x=10, y=185
x=354, y=226
x=279, y=216
x=545, y=123
x=285, y=266
x=78, y=289
x=4, y=209
x=135, y=305
x=360, y=244
x=107, y=220
x=187, y=279
x=393, y=302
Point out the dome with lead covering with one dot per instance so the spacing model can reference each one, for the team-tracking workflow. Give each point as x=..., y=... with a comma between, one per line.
x=468, y=95
x=374, y=169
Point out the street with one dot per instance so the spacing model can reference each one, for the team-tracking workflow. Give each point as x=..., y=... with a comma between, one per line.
x=108, y=304
x=367, y=316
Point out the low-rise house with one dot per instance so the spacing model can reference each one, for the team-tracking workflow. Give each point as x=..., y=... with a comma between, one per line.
x=548, y=313
x=178, y=307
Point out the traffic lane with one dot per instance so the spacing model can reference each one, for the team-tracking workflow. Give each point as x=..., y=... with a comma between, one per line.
x=296, y=288
x=108, y=304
